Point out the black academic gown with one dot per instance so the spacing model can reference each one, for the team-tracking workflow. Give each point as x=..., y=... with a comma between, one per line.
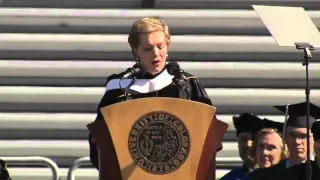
x=236, y=173
x=4, y=174
x=166, y=88
x=276, y=172
x=297, y=172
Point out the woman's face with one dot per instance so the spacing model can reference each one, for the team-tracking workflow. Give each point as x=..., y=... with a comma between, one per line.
x=269, y=151
x=152, y=51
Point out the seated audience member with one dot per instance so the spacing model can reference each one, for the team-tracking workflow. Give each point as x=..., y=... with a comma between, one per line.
x=297, y=172
x=295, y=136
x=4, y=173
x=246, y=125
x=268, y=148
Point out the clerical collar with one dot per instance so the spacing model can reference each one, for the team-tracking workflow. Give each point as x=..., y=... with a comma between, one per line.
x=160, y=81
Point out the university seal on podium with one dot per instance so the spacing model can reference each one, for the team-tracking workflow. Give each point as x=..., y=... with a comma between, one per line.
x=159, y=143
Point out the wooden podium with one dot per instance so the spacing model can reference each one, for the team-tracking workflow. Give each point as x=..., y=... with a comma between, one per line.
x=157, y=139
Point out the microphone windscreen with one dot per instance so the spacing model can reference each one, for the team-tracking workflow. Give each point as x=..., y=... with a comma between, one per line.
x=173, y=67
x=139, y=68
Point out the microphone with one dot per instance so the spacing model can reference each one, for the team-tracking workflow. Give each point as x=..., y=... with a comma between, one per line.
x=173, y=68
x=179, y=78
x=136, y=70
x=133, y=72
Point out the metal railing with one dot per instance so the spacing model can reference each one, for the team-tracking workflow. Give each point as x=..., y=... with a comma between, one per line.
x=86, y=160
x=34, y=160
x=75, y=165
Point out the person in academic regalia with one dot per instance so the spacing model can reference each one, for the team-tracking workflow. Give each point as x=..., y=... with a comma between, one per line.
x=295, y=135
x=278, y=126
x=267, y=148
x=316, y=136
x=316, y=163
x=297, y=172
x=4, y=173
x=246, y=125
x=149, y=40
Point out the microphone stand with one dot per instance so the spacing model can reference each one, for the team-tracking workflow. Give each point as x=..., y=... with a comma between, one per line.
x=126, y=89
x=183, y=84
x=307, y=56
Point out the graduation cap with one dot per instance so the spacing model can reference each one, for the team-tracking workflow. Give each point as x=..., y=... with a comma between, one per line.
x=267, y=123
x=247, y=122
x=297, y=114
x=316, y=130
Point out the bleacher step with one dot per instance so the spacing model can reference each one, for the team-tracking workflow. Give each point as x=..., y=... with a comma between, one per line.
x=183, y=48
x=86, y=99
x=118, y=21
x=163, y=4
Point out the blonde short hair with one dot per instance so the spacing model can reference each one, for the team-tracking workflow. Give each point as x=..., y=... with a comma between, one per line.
x=263, y=132
x=147, y=25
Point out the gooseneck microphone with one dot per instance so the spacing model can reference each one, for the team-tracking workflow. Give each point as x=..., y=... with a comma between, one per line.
x=136, y=70
x=173, y=68
x=179, y=78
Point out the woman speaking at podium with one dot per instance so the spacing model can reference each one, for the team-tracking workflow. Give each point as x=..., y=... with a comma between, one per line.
x=149, y=40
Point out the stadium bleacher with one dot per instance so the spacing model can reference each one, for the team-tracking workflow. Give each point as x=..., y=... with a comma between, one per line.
x=118, y=21
x=165, y=4
x=55, y=60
